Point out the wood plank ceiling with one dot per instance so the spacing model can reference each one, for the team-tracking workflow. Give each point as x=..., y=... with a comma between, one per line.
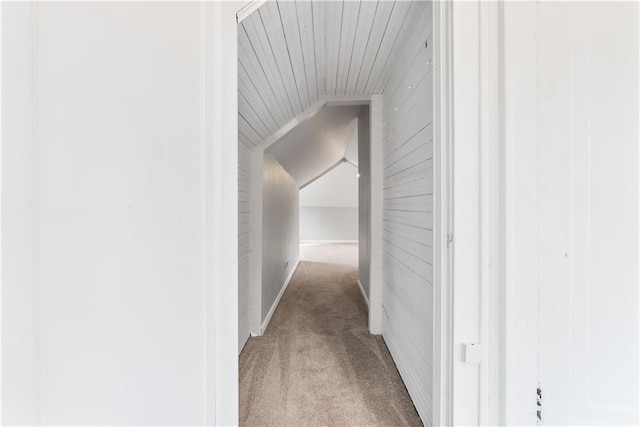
x=292, y=53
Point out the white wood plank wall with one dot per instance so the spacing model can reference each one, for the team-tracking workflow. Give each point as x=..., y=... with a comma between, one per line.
x=408, y=211
x=244, y=181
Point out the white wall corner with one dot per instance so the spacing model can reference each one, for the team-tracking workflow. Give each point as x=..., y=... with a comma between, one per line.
x=220, y=110
x=274, y=306
x=375, y=266
x=364, y=295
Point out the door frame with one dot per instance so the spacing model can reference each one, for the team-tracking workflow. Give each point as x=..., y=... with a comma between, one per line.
x=455, y=386
x=460, y=295
x=256, y=324
x=469, y=46
x=443, y=219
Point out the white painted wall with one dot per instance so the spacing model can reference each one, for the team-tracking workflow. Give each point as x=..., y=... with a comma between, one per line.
x=20, y=382
x=280, y=232
x=408, y=211
x=329, y=206
x=363, y=158
x=571, y=125
x=103, y=262
x=328, y=224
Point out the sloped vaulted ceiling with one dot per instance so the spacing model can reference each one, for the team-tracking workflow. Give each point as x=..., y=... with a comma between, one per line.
x=292, y=53
x=317, y=144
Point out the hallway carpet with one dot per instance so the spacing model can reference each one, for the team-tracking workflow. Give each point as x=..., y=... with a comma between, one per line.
x=317, y=364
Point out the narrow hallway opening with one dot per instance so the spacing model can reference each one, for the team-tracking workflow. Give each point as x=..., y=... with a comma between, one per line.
x=321, y=342
x=317, y=363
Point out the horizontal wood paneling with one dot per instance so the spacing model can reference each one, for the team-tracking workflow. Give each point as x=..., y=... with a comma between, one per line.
x=408, y=203
x=244, y=253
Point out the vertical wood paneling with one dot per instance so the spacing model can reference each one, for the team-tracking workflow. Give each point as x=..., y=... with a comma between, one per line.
x=255, y=38
x=248, y=130
x=334, y=12
x=408, y=27
x=350, y=20
x=366, y=16
x=410, y=54
x=378, y=31
x=292, y=53
x=318, y=12
x=397, y=22
x=271, y=20
x=250, y=116
x=293, y=44
x=247, y=88
x=304, y=15
x=255, y=73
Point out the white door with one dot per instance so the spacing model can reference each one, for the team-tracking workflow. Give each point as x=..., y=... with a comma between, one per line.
x=587, y=130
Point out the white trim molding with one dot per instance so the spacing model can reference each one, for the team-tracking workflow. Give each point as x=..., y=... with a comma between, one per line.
x=443, y=262
x=243, y=342
x=468, y=175
x=491, y=217
x=1, y=219
x=221, y=224
x=248, y=9
x=325, y=242
x=466, y=201
x=375, y=273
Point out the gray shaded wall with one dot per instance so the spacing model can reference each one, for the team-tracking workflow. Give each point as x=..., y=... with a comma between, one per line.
x=364, y=199
x=280, y=230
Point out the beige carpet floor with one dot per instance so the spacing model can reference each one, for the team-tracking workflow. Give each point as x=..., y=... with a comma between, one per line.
x=317, y=364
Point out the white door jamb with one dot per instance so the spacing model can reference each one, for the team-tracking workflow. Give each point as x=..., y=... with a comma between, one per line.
x=443, y=221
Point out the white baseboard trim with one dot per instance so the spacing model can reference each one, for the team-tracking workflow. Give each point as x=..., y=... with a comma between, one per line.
x=285, y=285
x=243, y=342
x=364, y=295
x=325, y=242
